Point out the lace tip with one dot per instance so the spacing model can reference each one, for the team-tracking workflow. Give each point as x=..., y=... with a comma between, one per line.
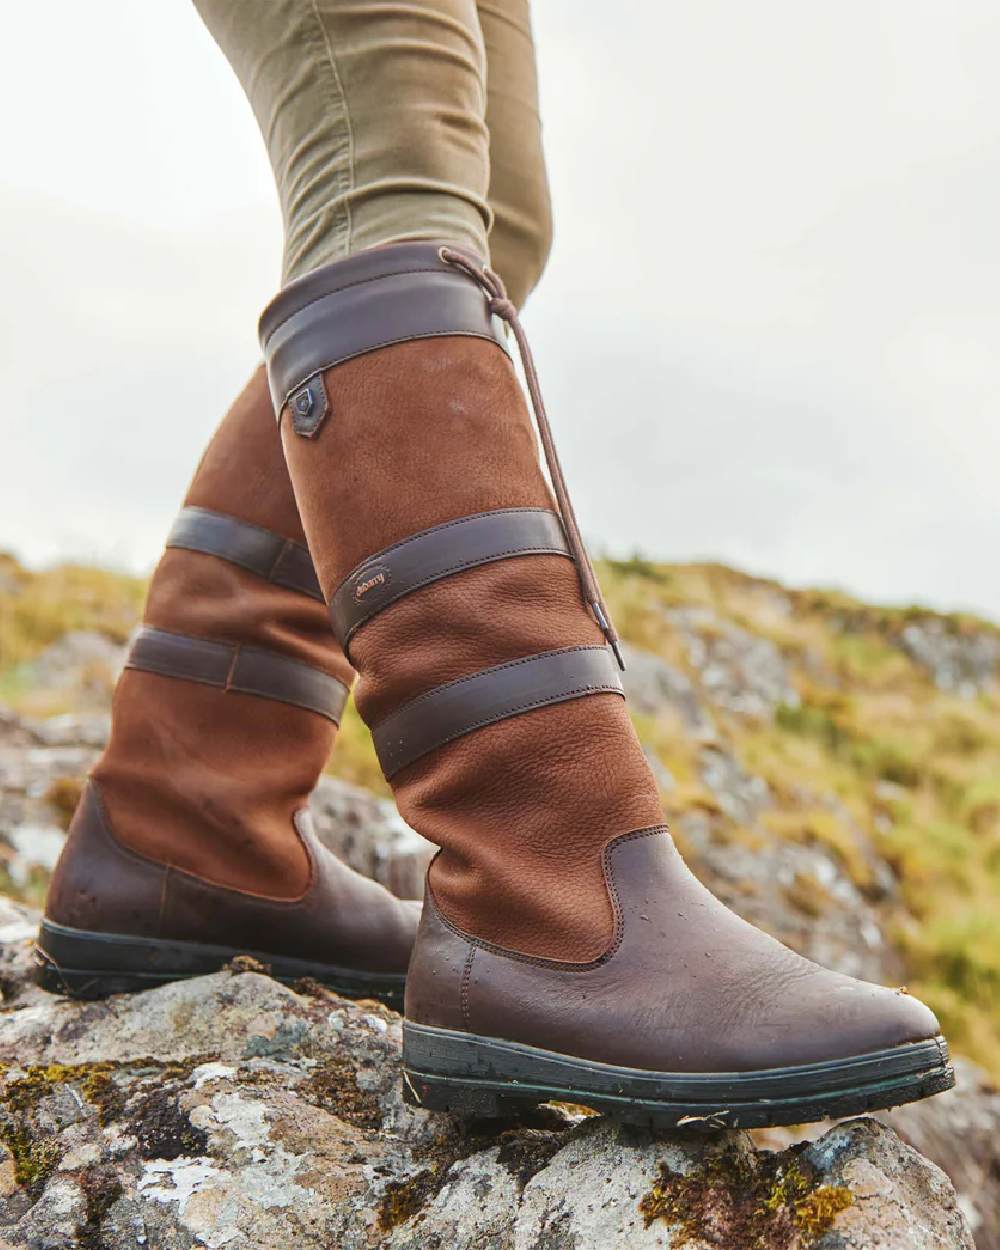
x=610, y=634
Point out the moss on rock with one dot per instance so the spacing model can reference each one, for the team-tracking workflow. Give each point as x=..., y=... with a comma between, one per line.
x=754, y=1201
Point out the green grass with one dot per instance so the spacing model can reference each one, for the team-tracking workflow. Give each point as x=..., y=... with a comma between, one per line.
x=36, y=609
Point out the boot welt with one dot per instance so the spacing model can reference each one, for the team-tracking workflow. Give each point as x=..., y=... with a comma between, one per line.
x=85, y=964
x=444, y=1070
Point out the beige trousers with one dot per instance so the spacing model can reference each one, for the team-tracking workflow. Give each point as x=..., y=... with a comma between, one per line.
x=387, y=120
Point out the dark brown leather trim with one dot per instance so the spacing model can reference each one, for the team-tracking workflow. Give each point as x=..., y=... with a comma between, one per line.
x=245, y=670
x=103, y=886
x=439, y=552
x=459, y=707
x=382, y=296
x=267, y=554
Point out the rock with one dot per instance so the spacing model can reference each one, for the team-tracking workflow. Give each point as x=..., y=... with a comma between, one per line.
x=965, y=663
x=741, y=796
x=369, y=834
x=654, y=688
x=43, y=764
x=74, y=729
x=230, y=1111
x=960, y=1130
x=83, y=665
x=41, y=770
x=14, y=730
x=799, y=893
x=738, y=671
x=18, y=927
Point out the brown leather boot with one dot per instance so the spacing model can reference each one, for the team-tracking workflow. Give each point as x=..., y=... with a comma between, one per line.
x=565, y=951
x=192, y=842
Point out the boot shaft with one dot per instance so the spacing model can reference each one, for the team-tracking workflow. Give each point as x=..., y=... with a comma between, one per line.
x=495, y=706
x=227, y=709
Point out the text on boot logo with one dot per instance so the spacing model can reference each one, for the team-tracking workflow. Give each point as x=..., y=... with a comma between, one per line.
x=369, y=580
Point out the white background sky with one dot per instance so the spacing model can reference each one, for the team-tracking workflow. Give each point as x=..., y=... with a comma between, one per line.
x=769, y=334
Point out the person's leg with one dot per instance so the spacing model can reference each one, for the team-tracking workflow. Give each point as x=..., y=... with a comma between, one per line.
x=203, y=782
x=558, y=916
x=373, y=115
x=192, y=841
x=519, y=190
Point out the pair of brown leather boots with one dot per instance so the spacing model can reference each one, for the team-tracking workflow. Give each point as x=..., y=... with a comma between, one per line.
x=564, y=950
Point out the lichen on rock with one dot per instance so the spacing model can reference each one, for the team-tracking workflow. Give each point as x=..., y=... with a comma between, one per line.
x=231, y=1111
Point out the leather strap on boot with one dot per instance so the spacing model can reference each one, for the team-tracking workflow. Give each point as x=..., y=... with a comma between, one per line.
x=458, y=707
x=388, y=295
x=453, y=547
x=242, y=669
x=258, y=550
x=393, y=295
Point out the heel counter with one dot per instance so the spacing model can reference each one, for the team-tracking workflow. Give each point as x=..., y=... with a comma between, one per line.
x=438, y=969
x=97, y=883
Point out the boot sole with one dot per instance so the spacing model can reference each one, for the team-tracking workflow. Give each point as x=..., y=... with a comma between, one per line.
x=485, y=1077
x=80, y=963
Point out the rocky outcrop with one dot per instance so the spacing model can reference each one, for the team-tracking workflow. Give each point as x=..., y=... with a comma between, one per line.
x=741, y=672
x=80, y=668
x=962, y=662
x=369, y=834
x=42, y=766
x=655, y=688
x=231, y=1111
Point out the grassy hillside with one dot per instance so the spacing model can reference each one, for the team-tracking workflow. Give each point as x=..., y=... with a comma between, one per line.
x=886, y=739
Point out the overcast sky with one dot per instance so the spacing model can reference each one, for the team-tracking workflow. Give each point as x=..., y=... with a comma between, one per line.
x=769, y=334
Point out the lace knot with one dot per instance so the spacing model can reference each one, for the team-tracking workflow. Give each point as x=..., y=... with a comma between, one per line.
x=503, y=308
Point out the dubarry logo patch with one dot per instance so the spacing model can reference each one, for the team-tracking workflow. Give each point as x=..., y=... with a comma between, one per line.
x=370, y=582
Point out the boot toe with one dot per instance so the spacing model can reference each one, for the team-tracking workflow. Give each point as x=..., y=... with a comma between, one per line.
x=848, y=1018
x=897, y=1018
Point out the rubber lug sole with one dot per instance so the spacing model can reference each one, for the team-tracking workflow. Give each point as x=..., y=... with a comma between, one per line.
x=84, y=964
x=484, y=1077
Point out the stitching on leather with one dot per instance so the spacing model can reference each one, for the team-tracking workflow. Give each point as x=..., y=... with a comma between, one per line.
x=203, y=646
x=314, y=676
x=158, y=670
x=466, y=979
x=380, y=277
x=618, y=932
x=563, y=696
x=499, y=668
x=330, y=706
x=146, y=861
x=307, y=670
x=278, y=556
x=250, y=525
x=374, y=347
x=504, y=714
x=440, y=574
x=281, y=546
x=162, y=909
x=259, y=900
x=158, y=865
x=440, y=529
x=104, y=823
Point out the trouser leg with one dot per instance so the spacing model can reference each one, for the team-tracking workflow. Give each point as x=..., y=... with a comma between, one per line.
x=373, y=115
x=519, y=190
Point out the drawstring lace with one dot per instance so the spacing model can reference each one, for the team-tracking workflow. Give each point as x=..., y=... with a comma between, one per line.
x=502, y=307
